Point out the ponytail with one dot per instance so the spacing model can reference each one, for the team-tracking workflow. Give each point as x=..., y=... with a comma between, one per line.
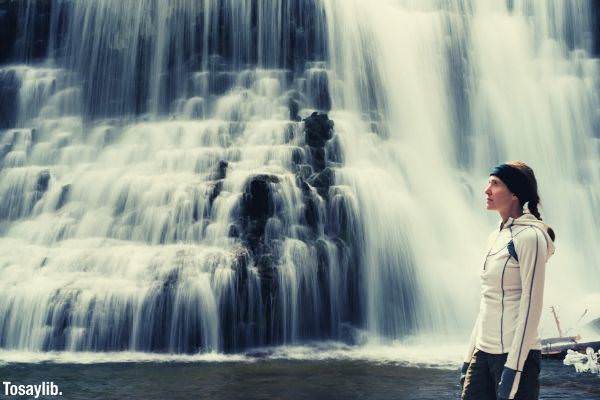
x=534, y=198
x=533, y=209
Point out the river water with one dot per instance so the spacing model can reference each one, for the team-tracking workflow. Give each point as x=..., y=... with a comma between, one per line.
x=271, y=377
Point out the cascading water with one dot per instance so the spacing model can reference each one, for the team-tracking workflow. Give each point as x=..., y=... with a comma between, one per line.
x=154, y=179
x=160, y=192
x=459, y=87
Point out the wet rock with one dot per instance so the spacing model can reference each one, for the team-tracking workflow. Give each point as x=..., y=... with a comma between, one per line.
x=35, y=136
x=234, y=231
x=318, y=89
x=213, y=191
x=65, y=192
x=220, y=171
x=43, y=179
x=294, y=108
x=260, y=353
x=304, y=171
x=256, y=206
x=311, y=213
x=171, y=279
x=318, y=128
x=9, y=93
x=8, y=28
x=257, y=201
x=334, y=151
x=240, y=265
x=297, y=155
x=305, y=187
x=318, y=159
x=264, y=263
x=288, y=133
x=273, y=230
x=323, y=267
x=322, y=181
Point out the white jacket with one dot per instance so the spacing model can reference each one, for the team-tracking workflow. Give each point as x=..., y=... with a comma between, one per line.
x=512, y=291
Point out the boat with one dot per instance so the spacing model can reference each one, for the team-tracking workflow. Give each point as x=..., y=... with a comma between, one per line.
x=557, y=347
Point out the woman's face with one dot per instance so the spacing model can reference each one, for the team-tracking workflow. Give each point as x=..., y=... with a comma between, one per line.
x=498, y=196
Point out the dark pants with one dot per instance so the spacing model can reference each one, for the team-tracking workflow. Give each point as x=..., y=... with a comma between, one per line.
x=485, y=370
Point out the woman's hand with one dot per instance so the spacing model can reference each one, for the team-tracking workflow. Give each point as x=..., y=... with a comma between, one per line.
x=463, y=373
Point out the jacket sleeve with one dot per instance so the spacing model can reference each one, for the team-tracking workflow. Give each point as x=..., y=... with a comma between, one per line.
x=471, y=348
x=531, y=249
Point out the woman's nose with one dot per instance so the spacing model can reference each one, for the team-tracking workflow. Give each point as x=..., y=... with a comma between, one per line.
x=488, y=191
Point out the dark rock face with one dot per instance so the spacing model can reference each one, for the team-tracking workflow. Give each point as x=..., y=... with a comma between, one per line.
x=294, y=107
x=257, y=202
x=322, y=181
x=238, y=317
x=304, y=171
x=42, y=181
x=221, y=169
x=334, y=151
x=234, y=231
x=288, y=134
x=319, y=129
x=257, y=229
x=213, y=192
x=311, y=212
x=8, y=28
x=33, y=44
x=214, y=187
x=318, y=158
x=256, y=206
x=318, y=89
x=9, y=95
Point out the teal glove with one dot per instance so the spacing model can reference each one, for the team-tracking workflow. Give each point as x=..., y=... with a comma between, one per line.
x=463, y=373
x=506, y=382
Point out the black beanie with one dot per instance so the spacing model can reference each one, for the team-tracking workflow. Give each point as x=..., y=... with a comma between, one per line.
x=516, y=181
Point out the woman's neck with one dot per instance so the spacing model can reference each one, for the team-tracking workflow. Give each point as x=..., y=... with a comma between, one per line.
x=514, y=212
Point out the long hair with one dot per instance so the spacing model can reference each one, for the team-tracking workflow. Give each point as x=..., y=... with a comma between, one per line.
x=534, y=202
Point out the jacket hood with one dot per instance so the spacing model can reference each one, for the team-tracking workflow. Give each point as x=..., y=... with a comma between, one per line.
x=528, y=219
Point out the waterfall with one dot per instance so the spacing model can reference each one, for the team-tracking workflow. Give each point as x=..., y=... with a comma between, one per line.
x=433, y=94
x=170, y=182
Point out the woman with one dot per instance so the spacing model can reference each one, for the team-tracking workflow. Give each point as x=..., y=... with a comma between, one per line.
x=503, y=360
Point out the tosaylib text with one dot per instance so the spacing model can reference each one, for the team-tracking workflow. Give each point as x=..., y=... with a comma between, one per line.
x=42, y=389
